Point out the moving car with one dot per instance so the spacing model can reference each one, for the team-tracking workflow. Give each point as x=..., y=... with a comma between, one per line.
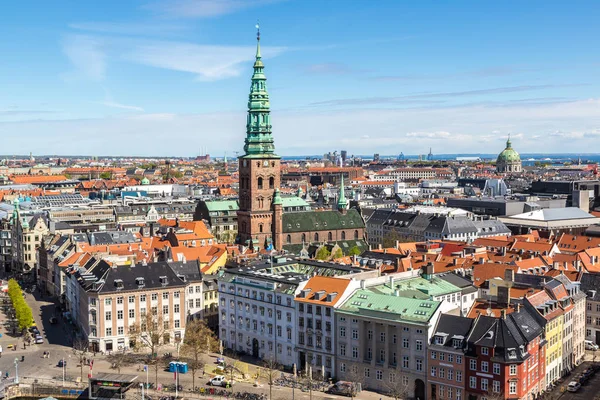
x=573, y=386
x=589, y=345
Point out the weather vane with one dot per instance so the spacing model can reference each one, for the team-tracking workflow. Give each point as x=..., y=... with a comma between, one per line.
x=257, y=30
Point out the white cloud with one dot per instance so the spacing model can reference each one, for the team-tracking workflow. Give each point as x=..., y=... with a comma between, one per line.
x=203, y=8
x=130, y=28
x=87, y=55
x=113, y=104
x=386, y=131
x=208, y=63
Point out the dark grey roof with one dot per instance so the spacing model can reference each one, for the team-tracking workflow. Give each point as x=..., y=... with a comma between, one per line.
x=190, y=270
x=451, y=225
x=457, y=280
x=453, y=326
x=590, y=285
x=151, y=274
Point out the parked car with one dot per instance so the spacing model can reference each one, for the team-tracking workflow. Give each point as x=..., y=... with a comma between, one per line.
x=589, y=345
x=573, y=386
x=343, y=388
x=219, y=380
x=39, y=339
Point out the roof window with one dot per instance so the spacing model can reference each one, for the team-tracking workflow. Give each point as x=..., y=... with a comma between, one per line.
x=119, y=283
x=139, y=282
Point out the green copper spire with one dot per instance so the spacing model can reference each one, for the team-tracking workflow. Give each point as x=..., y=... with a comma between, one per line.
x=277, y=198
x=259, y=140
x=342, y=203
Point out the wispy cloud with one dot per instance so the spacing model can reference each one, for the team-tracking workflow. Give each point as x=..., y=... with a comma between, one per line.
x=487, y=72
x=421, y=96
x=131, y=29
x=86, y=53
x=208, y=63
x=329, y=69
x=203, y=8
x=113, y=104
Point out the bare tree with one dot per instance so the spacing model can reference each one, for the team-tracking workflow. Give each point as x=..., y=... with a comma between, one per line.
x=80, y=350
x=271, y=368
x=356, y=379
x=396, y=388
x=150, y=333
x=199, y=340
x=118, y=360
x=232, y=366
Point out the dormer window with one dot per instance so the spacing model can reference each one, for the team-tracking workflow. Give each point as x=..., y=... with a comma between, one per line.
x=457, y=343
x=484, y=351
x=163, y=280
x=139, y=282
x=439, y=340
x=182, y=277
x=512, y=353
x=119, y=284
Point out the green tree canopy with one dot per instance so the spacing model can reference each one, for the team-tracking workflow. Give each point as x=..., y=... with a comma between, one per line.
x=23, y=312
x=354, y=251
x=323, y=254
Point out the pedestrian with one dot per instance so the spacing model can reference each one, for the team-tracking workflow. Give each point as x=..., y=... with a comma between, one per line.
x=0, y=353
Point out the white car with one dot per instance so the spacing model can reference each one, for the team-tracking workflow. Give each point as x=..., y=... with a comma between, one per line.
x=573, y=386
x=218, y=380
x=589, y=345
x=39, y=339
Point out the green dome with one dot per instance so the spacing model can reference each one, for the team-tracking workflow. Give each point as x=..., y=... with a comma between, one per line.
x=509, y=154
x=145, y=181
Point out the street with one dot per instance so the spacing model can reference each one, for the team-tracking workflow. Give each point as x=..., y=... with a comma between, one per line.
x=58, y=342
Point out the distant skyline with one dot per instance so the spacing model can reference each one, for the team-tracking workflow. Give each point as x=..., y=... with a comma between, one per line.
x=167, y=78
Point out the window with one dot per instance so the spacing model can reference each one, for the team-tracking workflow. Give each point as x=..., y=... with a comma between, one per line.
x=176, y=294
x=342, y=331
x=355, y=352
x=370, y=335
x=131, y=314
x=288, y=239
x=405, y=343
x=459, y=359
x=473, y=382
x=176, y=323
x=473, y=365
x=434, y=355
x=343, y=367
x=142, y=297
x=496, y=369
x=120, y=314
x=120, y=300
x=176, y=308
x=108, y=316
x=382, y=355
x=108, y=331
x=165, y=309
x=260, y=183
x=165, y=295
x=154, y=296
x=450, y=374
x=271, y=183
x=120, y=330
x=405, y=361
x=496, y=386
x=484, y=366
x=419, y=364
x=367, y=372
x=316, y=237
x=108, y=301
x=342, y=349
x=433, y=371
x=382, y=337
x=512, y=387
x=354, y=334
x=484, y=351
x=442, y=373
x=458, y=376
x=131, y=299
x=513, y=369
x=379, y=375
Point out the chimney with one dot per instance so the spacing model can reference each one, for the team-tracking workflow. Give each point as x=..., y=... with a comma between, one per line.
x=455, y=261
x=398, y=264
x=518, y=307
x=397, y=293
x=481, y=260
x=503, y=251
x=577, y=265
x=503, y=314
x=503, y=296
x=424, y=258
x=391, y=282
x=380, y=246
x=362, y=284
x=509, y=275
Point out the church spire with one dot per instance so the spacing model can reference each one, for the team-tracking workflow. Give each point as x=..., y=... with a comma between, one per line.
x=259, y=139
x=342, y=204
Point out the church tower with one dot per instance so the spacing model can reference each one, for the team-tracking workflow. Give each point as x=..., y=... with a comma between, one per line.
x=259, y=172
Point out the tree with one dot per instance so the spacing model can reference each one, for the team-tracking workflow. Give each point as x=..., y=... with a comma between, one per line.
x=270, y=371
x=354, y=251
x=338, y=254
x=227, y=236
x=23, y=312
x=396, y=388
x=80, y=350
x=355, y=379
x=390, y=239
x=198, y=341
x=119, y=360
x=106, y=175
x=323, y=254
x=150, y=333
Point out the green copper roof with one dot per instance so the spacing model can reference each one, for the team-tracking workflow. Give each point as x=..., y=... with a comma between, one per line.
x=222, y=205
x=310, y=221
x=509, y=154
x=389, y=307
x=259, y=140
x=293, y=201
x=418, y=288
x=145, y=181
x=342, y=203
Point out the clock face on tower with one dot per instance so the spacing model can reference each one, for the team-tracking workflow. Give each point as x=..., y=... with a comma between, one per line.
x=266, y=163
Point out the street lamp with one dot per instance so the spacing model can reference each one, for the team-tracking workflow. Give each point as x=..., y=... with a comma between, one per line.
x=16, y=369
x=142, y=387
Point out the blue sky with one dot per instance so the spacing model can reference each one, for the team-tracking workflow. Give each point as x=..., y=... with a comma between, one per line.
x=152, y=77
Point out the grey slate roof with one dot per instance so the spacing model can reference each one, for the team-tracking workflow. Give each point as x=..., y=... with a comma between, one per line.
x=590, y=285
x=453, y=326
x=151, y=274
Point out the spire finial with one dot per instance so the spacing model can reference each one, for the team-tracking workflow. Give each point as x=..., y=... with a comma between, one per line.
x=257, y=40
x=508, y=144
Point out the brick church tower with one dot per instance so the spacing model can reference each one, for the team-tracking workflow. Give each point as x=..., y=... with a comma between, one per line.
x=259, y=172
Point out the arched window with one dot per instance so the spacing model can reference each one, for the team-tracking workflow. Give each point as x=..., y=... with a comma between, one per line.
x=343, y=235
x=260, y=183
x=288, y=239
x=330, y=236
x=271, y=183
x=316, y=237
x=356, y=234
x=260, y=228
x=243, y=227
x=304, y=237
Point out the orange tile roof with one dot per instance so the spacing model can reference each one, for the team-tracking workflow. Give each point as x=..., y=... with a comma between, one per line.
x=574, y=244
x=326, y=285
x=482, y=307
x=23, y=179
x=484, y=272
